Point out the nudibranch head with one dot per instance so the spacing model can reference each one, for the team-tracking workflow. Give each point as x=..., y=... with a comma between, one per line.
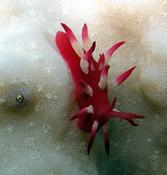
x=90, y=81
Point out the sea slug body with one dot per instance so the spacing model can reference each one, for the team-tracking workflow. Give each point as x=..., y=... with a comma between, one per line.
x=90, y=81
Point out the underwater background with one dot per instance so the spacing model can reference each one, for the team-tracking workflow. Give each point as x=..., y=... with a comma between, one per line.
x=37, y=137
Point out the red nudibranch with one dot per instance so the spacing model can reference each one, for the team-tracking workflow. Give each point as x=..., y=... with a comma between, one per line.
x=90, y=81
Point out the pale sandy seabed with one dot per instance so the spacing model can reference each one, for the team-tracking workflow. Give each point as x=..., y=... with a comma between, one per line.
x=37, y=138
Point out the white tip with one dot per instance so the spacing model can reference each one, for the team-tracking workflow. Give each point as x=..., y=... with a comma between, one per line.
x=84, y=64
x=90, y=109
x=103, y=82
x=116, y=110
x=89, y=91
x=77, y=48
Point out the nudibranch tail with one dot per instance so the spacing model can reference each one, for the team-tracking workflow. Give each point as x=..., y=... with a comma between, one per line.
x=90, y=84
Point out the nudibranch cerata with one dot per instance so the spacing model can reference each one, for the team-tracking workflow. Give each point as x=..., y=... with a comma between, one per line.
x=90, y=81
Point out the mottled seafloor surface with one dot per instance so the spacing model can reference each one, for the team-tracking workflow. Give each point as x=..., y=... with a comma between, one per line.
x=36, y=138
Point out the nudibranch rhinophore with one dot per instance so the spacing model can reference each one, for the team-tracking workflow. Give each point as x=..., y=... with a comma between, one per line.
x=90, y=81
